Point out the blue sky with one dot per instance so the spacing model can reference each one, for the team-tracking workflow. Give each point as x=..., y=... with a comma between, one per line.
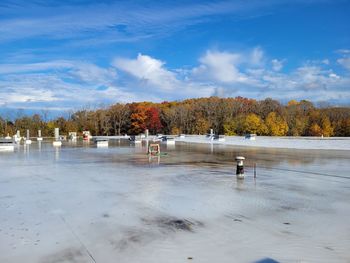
x=67, y=55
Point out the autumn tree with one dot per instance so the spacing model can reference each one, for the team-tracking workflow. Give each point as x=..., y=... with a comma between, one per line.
x=138, y=119
x=343, y=127
x=2, y=127
x=185, y=118
x=254, y=124
x=153, y=122
x=276, y=125
x=232, y=116
x=201, y=126
x=306, y=106
x=84, y=120
x=292, y=103
x=298, y=126
x=327, y=129
x=315, y=130
x=266, y=106
x=235, y=126
x=6, y=127
x=119, y=117
x=169, y=118
x=230, y=128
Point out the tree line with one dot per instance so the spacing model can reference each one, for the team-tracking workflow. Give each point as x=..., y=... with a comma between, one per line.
x=229, y=116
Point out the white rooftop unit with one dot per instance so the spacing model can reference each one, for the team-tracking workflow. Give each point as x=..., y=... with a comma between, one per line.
x=7, y=145
x=250, y=137
x=168, y=140
x=101, y=143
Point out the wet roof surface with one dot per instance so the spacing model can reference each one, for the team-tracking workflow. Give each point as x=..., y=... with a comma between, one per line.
x=79, y=203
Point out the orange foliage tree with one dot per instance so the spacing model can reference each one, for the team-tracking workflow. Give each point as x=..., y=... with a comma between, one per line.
x=138, y=119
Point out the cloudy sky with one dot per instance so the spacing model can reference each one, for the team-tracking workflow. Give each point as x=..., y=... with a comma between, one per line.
x=59, y=55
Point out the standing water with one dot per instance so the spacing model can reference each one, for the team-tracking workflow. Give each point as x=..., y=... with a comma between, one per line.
x=80, y=203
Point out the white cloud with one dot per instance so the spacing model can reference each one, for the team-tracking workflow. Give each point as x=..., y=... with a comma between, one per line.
x=149, y=70
x=333, y=75
x=343, y=51
x=309, y=82
x=309, y=77
x=120, y=20
x=220, y=66
x=52, y=91
x=313, y=78
x=277, y=65
x=82, y=71
x=155, y=78
x=27, y=95
x=27, y=89
x=246, y=74
x=35, y=67
x=256, y=56
x=326, y=61
x=58, y=84
x=66, y=84
x=239, y=75
x=345, y=62
x=231, y=67
x=304, y=79
x=90, y=73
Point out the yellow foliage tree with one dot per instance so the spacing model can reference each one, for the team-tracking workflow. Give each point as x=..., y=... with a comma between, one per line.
x=299, y=126
x=292, y=102
x=327, y=129
x=230, y=128
x=276, y=125
x=175, y=131
x=50, y=127
x=201, y=126
x=315, y=130
x=234, y=126
x=254, y=124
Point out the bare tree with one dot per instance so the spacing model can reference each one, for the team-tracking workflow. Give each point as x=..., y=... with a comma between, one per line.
x=119, y=115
